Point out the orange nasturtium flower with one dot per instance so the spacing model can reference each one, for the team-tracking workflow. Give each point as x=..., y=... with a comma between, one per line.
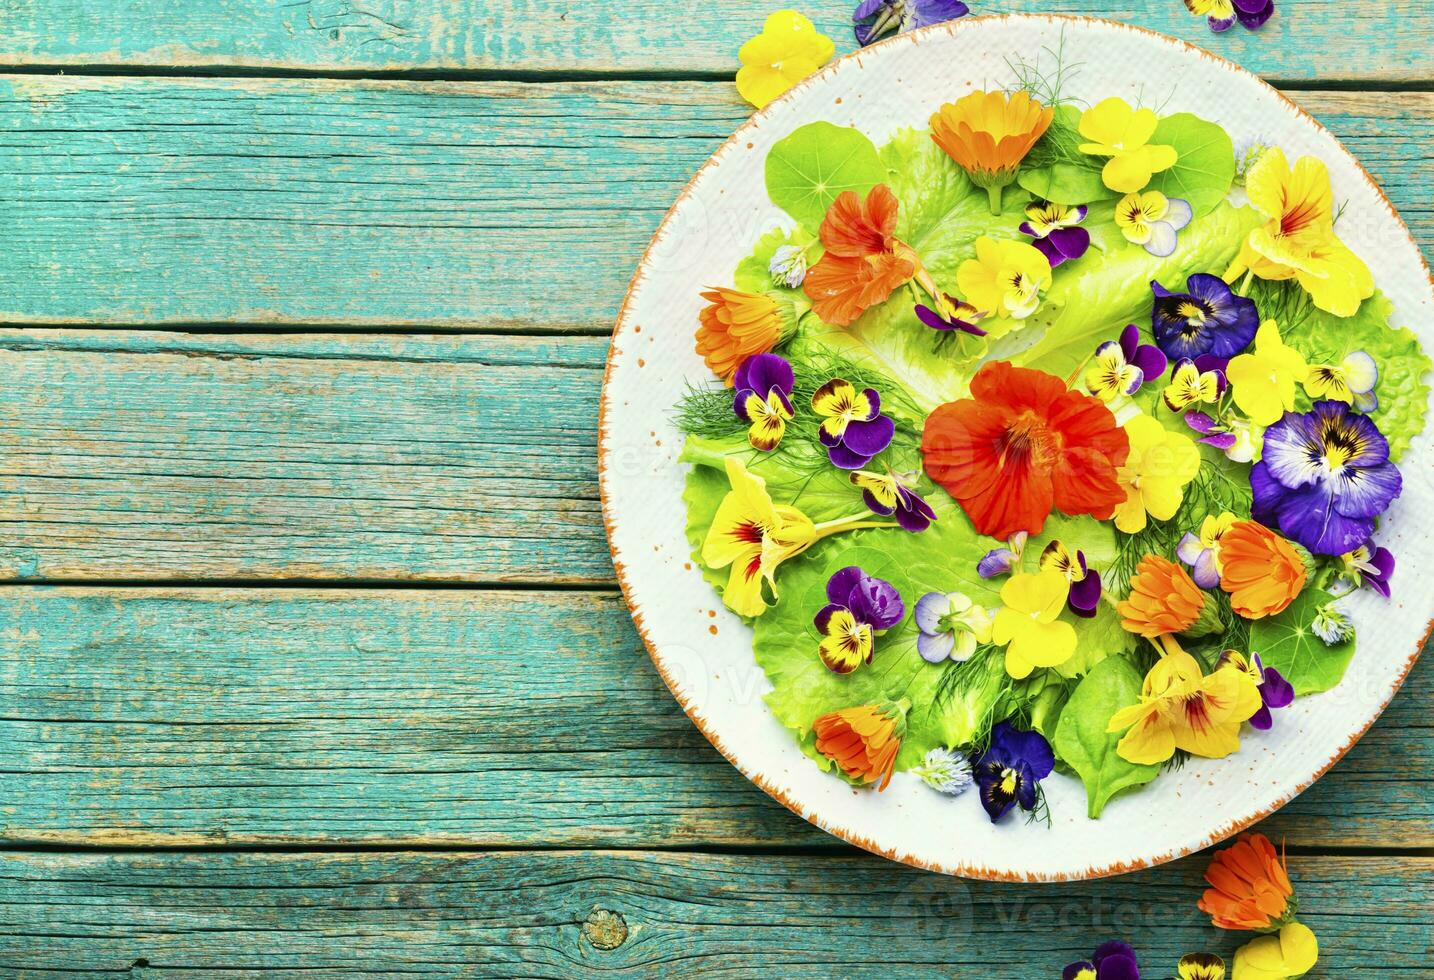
x=1261, y=570
x=1163, y=599
x=864, y=262
x=989, y=134
x=864, y=740
x=734, y=326
x=1249, y=887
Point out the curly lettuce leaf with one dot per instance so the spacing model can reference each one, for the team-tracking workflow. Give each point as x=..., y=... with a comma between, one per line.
x=1082, y=742
x=807, y=170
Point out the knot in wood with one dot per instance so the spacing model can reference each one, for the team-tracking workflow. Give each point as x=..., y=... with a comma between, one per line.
x=605, y=929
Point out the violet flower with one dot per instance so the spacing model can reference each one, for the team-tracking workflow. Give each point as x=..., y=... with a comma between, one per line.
x=951, y=626
x=1324, y=477
x=1010, y=770
x=874, y=19
x=1053, y=228
x=1275, y=691
x=1207, y=319
x=955, y=315
x=1369, y=565
x=1112, y=960
x=1000, y=561
x=886, y=495
x=1122, y=368
x=858, y=607
x=853, y=428
x=1239, y=439
x=1085, y=587
x=1222, y=14
x=763, y=384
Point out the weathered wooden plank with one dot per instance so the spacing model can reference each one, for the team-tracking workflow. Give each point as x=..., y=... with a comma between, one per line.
x=215, y=716
x=1301, y=43
x=493, y=205
x=458, y=459
x=563, y=914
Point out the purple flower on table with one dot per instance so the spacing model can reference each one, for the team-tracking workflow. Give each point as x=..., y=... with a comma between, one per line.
x=1239, y=439
x=1275, y=691
x=858, y=607
x=853, y=428
x=1010, y=770
x=1001, y=561
x=1324, y=477
x=950, y=626
x=1085, y=587
x=886, y=494
x=954, y=315
x=1121, y=368
x=1112, y=960
x=763, y=384
x=1054, y=230
x=1369, y=565
x=1222, y=14
x=1209, y=318
x=874, y=19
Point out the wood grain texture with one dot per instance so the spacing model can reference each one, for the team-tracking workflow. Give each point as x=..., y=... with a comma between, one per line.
x=1302, y=42
x=511, y=718
x=710, y=915
x=170, y=456
x=501, y=206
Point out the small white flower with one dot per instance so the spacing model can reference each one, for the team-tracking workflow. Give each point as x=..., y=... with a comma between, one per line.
x=1331, y=625
x=788, y=266
x=945, y=770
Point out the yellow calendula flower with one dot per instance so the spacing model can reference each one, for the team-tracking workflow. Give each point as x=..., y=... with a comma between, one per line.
x=1114, y=129
x=1351, y=381
x=1263, y=381
x=787, y=51
x=1006, y=278
x=753, y=535
x=1298, y=240
x=1028, y=626
x=1291, y=952
x=1181, y=707
x=1160, y=465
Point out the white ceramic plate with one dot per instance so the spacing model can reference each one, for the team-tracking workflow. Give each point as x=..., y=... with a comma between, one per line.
x=704, y=652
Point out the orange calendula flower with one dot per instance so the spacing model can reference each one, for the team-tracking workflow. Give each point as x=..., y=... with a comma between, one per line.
x=864, y=740
x=735, y=325
x=864, y=262
x=1181, y=707
x=989, y=134
x=1249, y=887
x=1261, y=570
x=1163, y=599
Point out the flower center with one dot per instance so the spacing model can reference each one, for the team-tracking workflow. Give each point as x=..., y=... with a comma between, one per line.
x=1195, y=316
x=1026, y=442
x=1008, y=781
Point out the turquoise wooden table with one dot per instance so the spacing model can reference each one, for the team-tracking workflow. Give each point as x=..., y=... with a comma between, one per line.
x=311, y=655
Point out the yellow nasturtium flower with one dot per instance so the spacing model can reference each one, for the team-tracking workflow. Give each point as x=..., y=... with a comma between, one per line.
x=1114, y=129
x=1263, y=381
x=1028, y=626
x=1297, y=241
x=1006, y=278
x=1160, y=465
x=1291, y=952
x=787, y=51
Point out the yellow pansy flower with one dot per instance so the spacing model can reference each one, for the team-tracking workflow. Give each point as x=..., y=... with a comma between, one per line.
x=1160, y=465
x=754, y=535
x=1291, y=952
x=1181, y=707
x=1116, y=130
x=1027, y=626
x=1263, y=381
x=1298, y=240
x=1006, y=278
x=787, y=51
x=1351, y=381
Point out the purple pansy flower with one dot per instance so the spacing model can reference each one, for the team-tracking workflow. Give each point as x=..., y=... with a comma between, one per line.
x=951, y=626
x=1112, y=960
x=1207, y=319
x=1237, y=438
x=1084, y=581
x=763, y=384
x=955, y=315
x=853, y=428
x=1222, y=14
x=858, y=606
x=1275, y=691
x=1121, y=368
x=1011, y=768
x=1053, y=228
x=1324, y=477
x=1369, y=565
x=874, y=19
x=886, y=494
x=1000, y=561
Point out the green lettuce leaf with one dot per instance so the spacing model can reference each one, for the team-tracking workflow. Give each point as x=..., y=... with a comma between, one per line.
x=1286, y=643
x=1082, y=742
x=1057, y=171
x=808, y=169
x=1206, y=167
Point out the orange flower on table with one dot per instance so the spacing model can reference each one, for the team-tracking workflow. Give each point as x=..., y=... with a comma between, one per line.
x=988, y=134
x=1163, y=599
x=1021, y=446
x=864, y=262
x=864, y=740
x=1249, y=887
x=734, y=326
x=1261, y=570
